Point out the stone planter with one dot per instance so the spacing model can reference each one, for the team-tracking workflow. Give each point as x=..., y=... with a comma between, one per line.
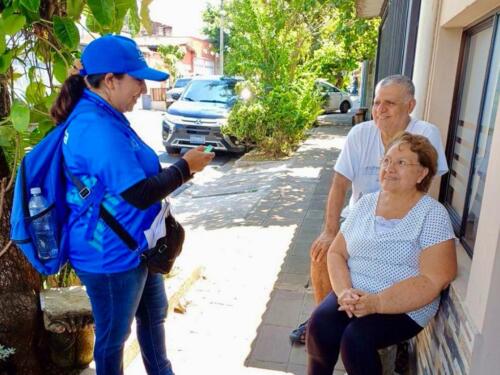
x=67, y=317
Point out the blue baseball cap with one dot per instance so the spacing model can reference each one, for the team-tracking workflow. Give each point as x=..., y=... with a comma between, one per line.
x=117, y=54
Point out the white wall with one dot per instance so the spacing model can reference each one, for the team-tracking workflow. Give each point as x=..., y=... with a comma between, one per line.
x=482, y=299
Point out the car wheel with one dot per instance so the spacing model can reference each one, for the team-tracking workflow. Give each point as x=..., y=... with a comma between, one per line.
x=344, y=107
x=173, y=150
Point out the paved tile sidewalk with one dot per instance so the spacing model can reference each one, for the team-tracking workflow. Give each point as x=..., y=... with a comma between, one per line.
x=251, y=229
x=292, y=300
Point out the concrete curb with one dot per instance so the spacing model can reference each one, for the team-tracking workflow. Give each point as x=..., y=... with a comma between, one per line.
x=249, y=160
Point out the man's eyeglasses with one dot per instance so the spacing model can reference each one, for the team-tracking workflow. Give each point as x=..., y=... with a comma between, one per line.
x=398, y=163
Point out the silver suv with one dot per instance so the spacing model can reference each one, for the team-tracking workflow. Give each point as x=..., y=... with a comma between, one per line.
x=200, y=113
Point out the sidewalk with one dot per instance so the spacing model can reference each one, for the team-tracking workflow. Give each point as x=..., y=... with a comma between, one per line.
x=292, y=300
x=251, y=228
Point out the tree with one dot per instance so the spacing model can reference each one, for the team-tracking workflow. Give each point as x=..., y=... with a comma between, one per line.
x=339, y=40
x=212, y=19
x=269, y=46
x=342, y=41
x=281, y=47
x=171, y=55
x=39, y=41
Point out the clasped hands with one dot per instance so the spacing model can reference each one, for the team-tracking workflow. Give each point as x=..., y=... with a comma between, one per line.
x=358, y=303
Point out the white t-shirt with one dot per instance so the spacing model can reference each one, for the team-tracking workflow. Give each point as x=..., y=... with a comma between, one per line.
x=360, y=157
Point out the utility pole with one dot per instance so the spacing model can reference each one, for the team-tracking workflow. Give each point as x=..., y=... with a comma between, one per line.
x=221, y=36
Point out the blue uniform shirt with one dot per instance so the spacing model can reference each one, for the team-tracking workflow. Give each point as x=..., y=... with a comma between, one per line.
x=100, y=145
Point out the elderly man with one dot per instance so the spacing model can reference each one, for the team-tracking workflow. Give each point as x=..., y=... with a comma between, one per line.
x=358, y=167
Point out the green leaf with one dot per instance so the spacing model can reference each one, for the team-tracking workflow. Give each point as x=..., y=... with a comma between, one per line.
x=5, y=61
x=37, y=114
x=59, y=68
x=35, y=92
x=9, y=10
x=2, y=41
x=32, y=73
x=93, y=25
x=103, y=11
x=7, y=135
x=13, y=23
x=31, y=5
x=31, y=17
x=42, y=50
x=122, y=7
x=44, y=126
x=67, y=32
x=16, y=75
x=134, y=22
x=74, y=8
x=20, y=116
x=49, y=100
x=145, y=18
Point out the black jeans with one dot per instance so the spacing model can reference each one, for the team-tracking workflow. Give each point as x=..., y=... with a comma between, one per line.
x=331, y=331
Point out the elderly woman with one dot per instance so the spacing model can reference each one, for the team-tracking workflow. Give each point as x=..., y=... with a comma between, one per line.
x=394, y=254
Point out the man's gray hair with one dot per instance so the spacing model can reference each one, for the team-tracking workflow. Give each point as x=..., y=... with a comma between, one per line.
x=398, y=79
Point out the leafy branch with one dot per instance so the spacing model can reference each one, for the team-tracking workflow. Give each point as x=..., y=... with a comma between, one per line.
x=39, y=40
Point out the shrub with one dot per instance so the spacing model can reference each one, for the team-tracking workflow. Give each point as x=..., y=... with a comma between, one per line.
x=276, y=118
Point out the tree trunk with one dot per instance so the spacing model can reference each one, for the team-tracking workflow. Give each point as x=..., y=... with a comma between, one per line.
x=20, y=317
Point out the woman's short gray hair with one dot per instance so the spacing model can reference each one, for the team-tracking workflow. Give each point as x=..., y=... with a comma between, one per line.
x=398, y=79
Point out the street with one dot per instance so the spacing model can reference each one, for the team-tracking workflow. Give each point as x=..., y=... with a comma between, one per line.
x=147, y=124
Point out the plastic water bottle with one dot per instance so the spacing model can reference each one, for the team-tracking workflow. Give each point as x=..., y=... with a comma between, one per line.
x=43, y=227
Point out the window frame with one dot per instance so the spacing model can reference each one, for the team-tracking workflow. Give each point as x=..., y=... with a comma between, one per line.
x=459, y=220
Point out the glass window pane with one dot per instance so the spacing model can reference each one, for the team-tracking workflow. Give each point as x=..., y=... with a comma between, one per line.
x=484, y=145
x=472, y=88
x=215, y=90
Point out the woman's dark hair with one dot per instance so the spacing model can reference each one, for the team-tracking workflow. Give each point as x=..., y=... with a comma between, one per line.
x=426, y=153
x=71, y=92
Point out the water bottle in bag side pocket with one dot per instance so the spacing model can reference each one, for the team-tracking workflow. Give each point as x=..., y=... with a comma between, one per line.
x=43, y=226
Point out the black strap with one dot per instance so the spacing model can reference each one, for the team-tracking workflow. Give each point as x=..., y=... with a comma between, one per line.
x=109, y=219
x=117, y=228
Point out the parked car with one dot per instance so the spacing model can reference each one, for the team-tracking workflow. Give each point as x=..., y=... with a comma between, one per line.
x=175, y=92
x=197, y=117
x=334, y=99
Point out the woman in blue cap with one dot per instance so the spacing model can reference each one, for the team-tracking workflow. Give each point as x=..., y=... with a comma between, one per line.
x=101, y=149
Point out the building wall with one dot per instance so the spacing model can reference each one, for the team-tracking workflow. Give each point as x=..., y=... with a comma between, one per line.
x=445, y=345
x=397, y=34
x=392, y=39
x=199, y=59
x=464, y=338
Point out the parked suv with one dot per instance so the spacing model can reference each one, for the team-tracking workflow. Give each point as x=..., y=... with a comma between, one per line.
x=175, y=92
x=197, y=117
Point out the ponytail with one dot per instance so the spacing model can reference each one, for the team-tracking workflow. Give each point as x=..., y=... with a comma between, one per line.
x=72, y=91
x=70, y=94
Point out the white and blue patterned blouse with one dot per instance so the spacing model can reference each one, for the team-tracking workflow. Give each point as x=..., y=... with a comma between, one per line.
x=379, y=259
